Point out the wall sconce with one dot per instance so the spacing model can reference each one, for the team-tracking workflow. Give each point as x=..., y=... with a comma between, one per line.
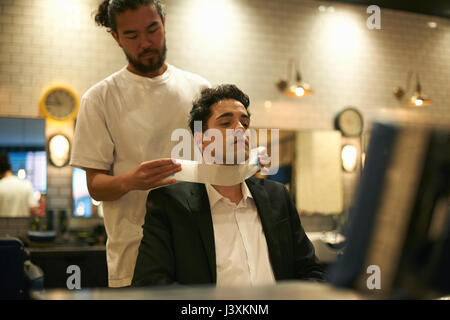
x=349, y=155
x=293, y=86
x=417, y=99
x=59, y=150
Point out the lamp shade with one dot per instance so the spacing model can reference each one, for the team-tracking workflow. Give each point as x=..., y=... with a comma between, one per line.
x=418, y=99
x=59, y=150
x=298, y=90
x=349, y=156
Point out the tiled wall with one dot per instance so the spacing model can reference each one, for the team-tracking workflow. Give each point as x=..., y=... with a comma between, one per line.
x=247, y=42
x=250, y=42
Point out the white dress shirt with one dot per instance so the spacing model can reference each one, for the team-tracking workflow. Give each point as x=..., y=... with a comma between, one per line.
x=242, y=257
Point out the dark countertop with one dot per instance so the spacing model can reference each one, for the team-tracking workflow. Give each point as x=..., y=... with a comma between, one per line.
x=66, y=248
x=289, y=290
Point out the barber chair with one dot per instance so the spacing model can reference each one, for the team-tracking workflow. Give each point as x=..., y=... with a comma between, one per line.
x=17, y=274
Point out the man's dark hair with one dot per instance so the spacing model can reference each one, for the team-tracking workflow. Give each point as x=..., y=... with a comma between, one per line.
x=201, y=109
x=108, y=9
x=4, y=163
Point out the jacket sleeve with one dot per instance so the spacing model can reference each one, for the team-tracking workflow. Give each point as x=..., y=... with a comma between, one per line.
x=155, y=264
x=305, y=260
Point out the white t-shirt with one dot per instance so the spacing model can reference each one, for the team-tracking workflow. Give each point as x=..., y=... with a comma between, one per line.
x=16, y=197
x=124, y=120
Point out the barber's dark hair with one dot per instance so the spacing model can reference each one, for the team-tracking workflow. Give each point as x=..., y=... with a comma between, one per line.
x=108, y=9
x=201, y=109
x=5, y=165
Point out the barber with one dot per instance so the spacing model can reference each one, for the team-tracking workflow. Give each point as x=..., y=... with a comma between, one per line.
x=123, y=131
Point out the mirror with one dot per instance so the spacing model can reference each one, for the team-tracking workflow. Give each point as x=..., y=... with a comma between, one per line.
x=312, y=169
x=285, y=147
x=23, y=139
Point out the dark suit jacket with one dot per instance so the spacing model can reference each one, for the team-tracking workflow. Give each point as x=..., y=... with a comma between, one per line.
x=178, y=241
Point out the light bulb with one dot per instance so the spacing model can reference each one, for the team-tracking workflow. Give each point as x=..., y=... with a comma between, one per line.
x=21, y=173
x=349, y=155
x=80, y=210
x=268, y=104
x=299, y=91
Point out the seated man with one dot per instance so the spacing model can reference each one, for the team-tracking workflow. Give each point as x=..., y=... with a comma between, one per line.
x=243, y=235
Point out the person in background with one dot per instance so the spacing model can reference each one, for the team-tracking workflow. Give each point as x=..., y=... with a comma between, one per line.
x=248, y=234
x=42, y=206
x=123, y=131
x=16, y=195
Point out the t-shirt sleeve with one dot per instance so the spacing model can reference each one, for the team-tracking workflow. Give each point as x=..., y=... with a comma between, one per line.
x=206, y=84
x=93, y=146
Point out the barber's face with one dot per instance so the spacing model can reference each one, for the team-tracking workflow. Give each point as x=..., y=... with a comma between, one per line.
x=141, y=35
x=230, y=114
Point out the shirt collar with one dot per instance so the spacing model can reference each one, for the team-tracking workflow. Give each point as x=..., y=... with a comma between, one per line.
x=155, y=80
x=245, y=191
x=214, y=196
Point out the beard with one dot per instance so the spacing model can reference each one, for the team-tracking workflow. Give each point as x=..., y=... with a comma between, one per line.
x=148, y=66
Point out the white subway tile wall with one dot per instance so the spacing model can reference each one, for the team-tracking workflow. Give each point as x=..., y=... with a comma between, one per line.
x=246, y=42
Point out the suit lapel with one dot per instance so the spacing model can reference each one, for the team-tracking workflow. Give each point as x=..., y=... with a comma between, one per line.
x=199, y=205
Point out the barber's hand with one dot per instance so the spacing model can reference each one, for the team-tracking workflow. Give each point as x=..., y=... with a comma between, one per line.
x=152, y=174
x=263, y=160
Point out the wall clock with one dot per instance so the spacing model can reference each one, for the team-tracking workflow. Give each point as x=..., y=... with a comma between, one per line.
x=59, y=103
x=350, y=122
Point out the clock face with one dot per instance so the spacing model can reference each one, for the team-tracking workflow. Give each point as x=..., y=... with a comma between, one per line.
x=350, y=122
x=60, y=104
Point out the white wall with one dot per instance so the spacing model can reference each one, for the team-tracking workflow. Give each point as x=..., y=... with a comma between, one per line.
x=247, y=42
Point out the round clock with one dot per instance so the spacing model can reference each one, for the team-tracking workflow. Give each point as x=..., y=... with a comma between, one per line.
x=350, y=122
x=59, y=103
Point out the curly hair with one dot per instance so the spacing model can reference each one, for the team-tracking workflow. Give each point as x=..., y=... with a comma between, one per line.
x=108, y=9
x=5, y=165
x=201, y=109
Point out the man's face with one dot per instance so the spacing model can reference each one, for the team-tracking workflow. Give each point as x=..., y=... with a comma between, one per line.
x=141, y=35
x=232, y=119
